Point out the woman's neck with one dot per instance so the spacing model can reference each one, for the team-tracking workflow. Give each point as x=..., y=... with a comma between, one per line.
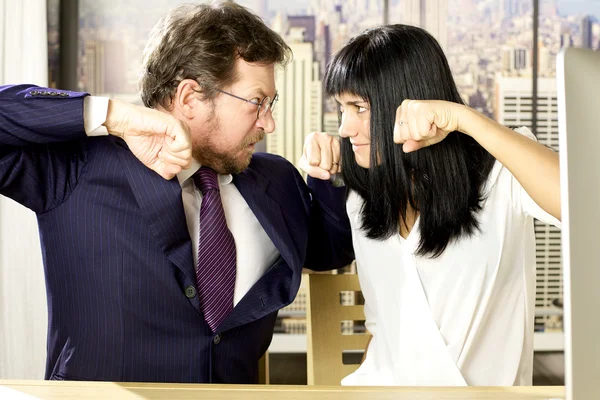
x=406, y=226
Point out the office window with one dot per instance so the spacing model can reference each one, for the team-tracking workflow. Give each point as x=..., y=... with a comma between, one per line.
x=112, y=36
x=489, y=46
x=52, y=11
x=314, y=30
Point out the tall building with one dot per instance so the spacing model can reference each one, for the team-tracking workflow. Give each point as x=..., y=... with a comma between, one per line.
x=431, y=15
x=514, y=103
x=548, y=8
x=339, y=11
x=515, y=59
x=299, y=111
x=114, y=67
x=331, y=123
x=93, y=67
x=513, y=108
x=322, y=46
x=520, y=59
x=546, y=63
x=509, y=9
x=514, y=8
x=566, y=40
x=104, y=67
x=586, y=32
x=262, y=8
x=307, y=23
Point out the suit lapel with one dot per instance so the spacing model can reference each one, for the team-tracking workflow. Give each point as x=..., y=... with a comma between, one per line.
x=265, y=296
x=161, y=203
x=264, y=203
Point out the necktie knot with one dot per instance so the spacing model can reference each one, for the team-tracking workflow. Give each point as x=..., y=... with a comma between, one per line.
x=206, y=179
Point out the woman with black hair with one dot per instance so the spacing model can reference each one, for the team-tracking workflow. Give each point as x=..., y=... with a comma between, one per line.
x=441, y=202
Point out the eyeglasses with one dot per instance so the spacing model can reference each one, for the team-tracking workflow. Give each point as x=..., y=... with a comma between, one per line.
x=264, y=105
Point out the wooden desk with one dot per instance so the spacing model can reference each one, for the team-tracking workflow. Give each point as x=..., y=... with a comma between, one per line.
x=51, y=390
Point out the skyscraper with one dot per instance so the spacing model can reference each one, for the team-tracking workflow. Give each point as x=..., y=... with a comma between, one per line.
x=566, y=40
x=307, y=23
x=515, y=59
x=514, y=104
x=546, y=63
x=514, y=8
x=93, y=67
x=262, y=8
x=299, y=111
x=586, y=32
x=509, y=8
x=520, y=59
x=104, y=67
x=430, y=15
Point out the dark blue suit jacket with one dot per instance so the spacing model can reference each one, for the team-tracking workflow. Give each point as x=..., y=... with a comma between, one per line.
x=118, y=256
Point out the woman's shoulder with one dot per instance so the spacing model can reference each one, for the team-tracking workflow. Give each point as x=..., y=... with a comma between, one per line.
x=354, y=202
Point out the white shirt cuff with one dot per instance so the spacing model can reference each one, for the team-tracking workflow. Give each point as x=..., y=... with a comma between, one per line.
x=94, y=114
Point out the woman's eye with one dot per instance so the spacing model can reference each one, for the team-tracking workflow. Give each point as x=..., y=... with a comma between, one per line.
x=361, y=109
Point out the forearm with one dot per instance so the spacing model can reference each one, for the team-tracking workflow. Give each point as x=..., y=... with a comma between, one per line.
x=330, y=238
x=535, y=166
x=117, y=115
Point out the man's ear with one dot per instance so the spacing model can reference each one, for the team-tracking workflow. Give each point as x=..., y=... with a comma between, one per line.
x=187, y=98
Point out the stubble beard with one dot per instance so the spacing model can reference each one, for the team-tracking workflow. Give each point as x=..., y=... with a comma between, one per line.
x=224, y=162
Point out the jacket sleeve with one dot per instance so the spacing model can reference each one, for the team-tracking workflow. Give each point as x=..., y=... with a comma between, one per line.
x=42, y=144
x=330, y=237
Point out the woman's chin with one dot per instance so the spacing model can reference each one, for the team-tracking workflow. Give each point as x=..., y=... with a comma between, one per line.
x=362, y=162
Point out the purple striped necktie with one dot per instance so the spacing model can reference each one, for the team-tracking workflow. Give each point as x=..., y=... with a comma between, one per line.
x=215, y=272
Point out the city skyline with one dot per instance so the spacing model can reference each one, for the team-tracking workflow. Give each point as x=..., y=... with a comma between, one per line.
x=481, y=38
x=474, y=38
x=565, y=7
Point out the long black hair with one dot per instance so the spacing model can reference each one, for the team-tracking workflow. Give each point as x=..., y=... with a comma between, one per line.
x=443, y=182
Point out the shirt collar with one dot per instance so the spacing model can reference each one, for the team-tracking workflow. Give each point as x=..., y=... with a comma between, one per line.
x=185, y=174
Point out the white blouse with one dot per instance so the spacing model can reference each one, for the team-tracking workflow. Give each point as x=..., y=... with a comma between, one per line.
x=464, y=318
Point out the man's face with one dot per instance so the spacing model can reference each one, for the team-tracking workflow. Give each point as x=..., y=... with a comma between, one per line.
x=224, y=139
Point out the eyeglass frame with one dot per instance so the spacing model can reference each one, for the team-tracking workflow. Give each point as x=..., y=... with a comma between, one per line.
x=260, y=105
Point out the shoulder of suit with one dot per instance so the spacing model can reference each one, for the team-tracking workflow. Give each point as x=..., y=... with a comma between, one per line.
x=271, y=164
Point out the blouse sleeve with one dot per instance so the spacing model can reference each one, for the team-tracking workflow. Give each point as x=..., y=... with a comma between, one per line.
x=523, y=200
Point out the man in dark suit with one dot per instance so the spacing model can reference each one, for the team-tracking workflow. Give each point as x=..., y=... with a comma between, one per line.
x=169, y=280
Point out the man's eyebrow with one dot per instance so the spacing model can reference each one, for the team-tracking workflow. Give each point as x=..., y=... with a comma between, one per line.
x=258, y=92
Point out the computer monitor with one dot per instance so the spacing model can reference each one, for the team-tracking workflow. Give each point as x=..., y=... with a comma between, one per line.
x=578, y=84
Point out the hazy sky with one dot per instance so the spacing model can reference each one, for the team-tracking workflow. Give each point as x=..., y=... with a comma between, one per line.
x=575, y=7
x=566, y=7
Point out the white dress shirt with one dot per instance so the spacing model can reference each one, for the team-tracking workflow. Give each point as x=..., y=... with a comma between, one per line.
x=254, y=249
x=464, y=318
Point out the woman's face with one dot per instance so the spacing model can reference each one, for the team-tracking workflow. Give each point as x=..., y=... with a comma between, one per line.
x=355, y=125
